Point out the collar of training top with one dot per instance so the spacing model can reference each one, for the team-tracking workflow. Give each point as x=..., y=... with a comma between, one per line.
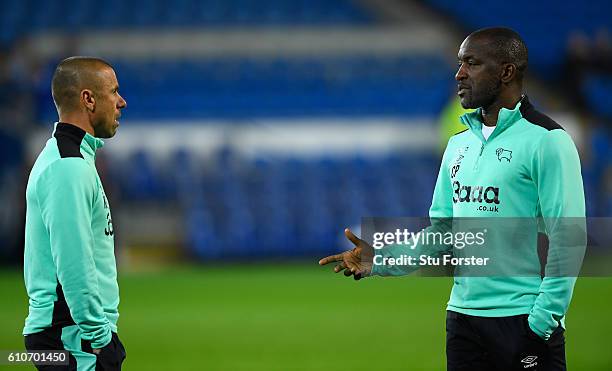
x=79, y=135
x=505, y=119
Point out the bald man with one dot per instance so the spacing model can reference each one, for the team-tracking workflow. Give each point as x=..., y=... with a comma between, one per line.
x=510, y=162
x=69, y=264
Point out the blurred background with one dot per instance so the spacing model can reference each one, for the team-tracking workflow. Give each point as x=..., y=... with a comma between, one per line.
x=255, y=132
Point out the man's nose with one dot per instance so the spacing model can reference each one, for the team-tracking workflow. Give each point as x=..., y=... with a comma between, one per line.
x=122, y=102
x=460, y=75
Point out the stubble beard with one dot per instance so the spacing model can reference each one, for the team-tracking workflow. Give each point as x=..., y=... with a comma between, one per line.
x=488, y=95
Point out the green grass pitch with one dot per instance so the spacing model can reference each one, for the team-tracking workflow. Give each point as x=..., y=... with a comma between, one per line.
x=296, y=316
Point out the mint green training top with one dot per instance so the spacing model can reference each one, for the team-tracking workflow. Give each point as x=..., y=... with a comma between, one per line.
x=69, y=263
x=528, y=168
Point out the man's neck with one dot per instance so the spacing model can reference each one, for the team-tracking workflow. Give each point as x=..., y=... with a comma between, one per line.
x=78, y=120
x=491, y=113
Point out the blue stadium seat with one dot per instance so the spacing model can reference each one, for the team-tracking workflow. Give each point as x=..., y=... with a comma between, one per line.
x=543, y=24
x=140, y=179
x=296, y=207
x=202, y=240
x=241, y=88
x=597, y=90
x=37, y=16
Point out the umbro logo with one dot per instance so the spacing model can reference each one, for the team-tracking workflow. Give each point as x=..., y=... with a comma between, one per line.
x=504, y=154
x=530, y=361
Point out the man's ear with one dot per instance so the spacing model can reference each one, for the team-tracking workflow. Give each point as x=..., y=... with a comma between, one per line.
x=88, y=100
x=508, y=72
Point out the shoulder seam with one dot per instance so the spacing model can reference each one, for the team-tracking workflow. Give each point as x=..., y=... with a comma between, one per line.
x=537, y=118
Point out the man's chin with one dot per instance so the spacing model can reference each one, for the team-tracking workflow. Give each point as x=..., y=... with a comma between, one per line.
x=113, y=129
x=466, y=103
x=107, y=134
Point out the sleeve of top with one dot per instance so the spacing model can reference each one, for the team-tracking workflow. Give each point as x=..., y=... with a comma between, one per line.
x=556, y=172
x=440, y=214
x=66, y=192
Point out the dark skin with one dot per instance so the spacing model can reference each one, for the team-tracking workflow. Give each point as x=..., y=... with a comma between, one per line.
x=356, y=262
x=482, y=81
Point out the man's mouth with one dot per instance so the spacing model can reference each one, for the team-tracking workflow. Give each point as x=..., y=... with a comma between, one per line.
x=462, y=89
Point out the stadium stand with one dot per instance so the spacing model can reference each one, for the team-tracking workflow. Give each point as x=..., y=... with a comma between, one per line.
x=243, y=88
x=543, y=24
x=21, y=18
x=289, y=203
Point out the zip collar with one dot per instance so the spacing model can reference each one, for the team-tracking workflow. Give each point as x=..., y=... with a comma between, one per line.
x=86, y=141
x=505, y=119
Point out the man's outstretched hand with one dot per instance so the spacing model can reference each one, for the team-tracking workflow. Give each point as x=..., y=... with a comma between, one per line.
x=356, y=262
